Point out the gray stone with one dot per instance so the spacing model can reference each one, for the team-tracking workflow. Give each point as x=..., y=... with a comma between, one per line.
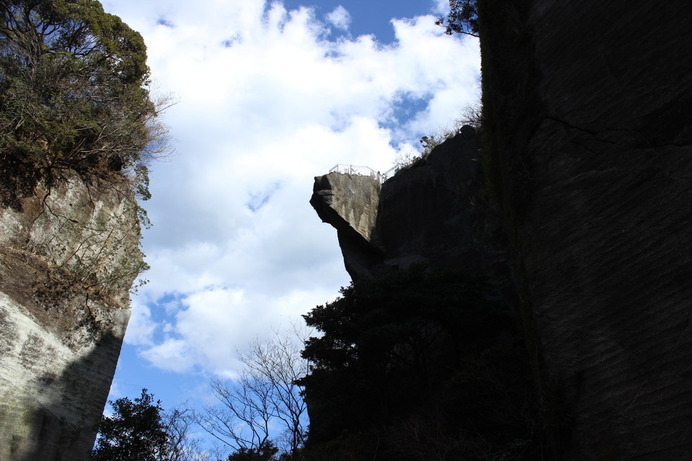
x=67, y=262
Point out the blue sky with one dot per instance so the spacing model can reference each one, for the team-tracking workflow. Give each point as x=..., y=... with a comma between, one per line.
x=268, y=95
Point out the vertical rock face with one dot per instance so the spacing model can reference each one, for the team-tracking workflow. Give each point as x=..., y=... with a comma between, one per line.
x=587, y=141
x=588, y=108
x=428, y=212
x=67, y=261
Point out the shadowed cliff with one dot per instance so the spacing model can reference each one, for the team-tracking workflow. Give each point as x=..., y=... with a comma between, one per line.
x=583, y=221
x=429, y=213
x=423, y=356
x=587, y=136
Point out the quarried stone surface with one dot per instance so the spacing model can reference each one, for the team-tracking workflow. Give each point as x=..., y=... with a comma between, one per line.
x=350, y=203
x=588, y=107
x=67, y=261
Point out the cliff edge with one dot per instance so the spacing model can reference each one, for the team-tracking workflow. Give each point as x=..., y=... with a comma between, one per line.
x=587, y=159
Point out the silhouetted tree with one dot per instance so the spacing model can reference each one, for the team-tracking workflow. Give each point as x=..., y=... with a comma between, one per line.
x=265, y=397
x=416, y=365
x=264, y=452
x=462, y=18
x=135, y=432
x=182, y=444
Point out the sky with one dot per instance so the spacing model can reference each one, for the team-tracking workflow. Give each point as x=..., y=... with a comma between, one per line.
x=268, y=95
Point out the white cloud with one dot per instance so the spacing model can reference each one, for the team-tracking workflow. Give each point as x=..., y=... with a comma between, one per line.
x=339, y=18
x=266, y=102
x=440, y=7
x=141, y=328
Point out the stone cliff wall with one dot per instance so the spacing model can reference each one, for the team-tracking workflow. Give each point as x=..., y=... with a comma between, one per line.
x=588, y=123
x=67, y=261
x=429, y=212
x=425, y=357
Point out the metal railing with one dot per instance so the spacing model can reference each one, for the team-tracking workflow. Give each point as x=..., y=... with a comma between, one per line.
x=362, y=171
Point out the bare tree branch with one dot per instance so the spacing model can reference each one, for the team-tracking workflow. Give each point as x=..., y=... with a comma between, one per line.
x=265, y=397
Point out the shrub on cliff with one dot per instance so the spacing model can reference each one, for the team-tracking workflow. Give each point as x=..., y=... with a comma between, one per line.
x=72, y=95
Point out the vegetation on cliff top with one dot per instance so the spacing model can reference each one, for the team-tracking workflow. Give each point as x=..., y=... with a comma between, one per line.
x=73, y=96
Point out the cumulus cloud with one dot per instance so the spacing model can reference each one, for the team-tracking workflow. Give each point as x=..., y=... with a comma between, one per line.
x=141, y=328
x=339, y=18
x=266, y=101
x=440, y=7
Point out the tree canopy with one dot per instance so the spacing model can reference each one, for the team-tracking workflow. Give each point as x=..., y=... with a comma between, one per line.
x=73, y=93
x=135, y=432
x=265, y=452
x=414, y=363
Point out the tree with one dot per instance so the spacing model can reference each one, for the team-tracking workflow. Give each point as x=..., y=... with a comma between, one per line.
x=265, y=396
x=141, y=430
x=265, y=452
x=72, y=96
x=135, y=432
x=418, y=364
x=462, y=18
x=182, y=444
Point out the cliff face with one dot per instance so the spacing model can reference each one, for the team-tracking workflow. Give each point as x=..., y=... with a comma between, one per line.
x=587, y=107
x=349, y=203
x=67, y=261
x=586, y=149
x=423, y=354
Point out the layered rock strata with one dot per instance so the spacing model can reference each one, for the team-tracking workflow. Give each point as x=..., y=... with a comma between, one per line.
x=68, y=257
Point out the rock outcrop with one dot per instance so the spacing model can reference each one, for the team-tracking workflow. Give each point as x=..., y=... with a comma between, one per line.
x=430, y=328
x=425, y=214
x=349, y=202
x=68, y=258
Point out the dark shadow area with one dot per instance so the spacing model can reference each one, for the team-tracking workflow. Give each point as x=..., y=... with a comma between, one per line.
x=64, y=430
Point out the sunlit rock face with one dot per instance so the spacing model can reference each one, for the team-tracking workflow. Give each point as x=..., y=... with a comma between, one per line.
x=349, y=202
x=427, y=213
x=68, y=258
x=588, y=108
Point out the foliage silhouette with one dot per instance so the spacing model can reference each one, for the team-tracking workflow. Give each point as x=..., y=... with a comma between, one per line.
x=265, y=452
x=417, y=365
x=135, y=432
x=462, y=18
